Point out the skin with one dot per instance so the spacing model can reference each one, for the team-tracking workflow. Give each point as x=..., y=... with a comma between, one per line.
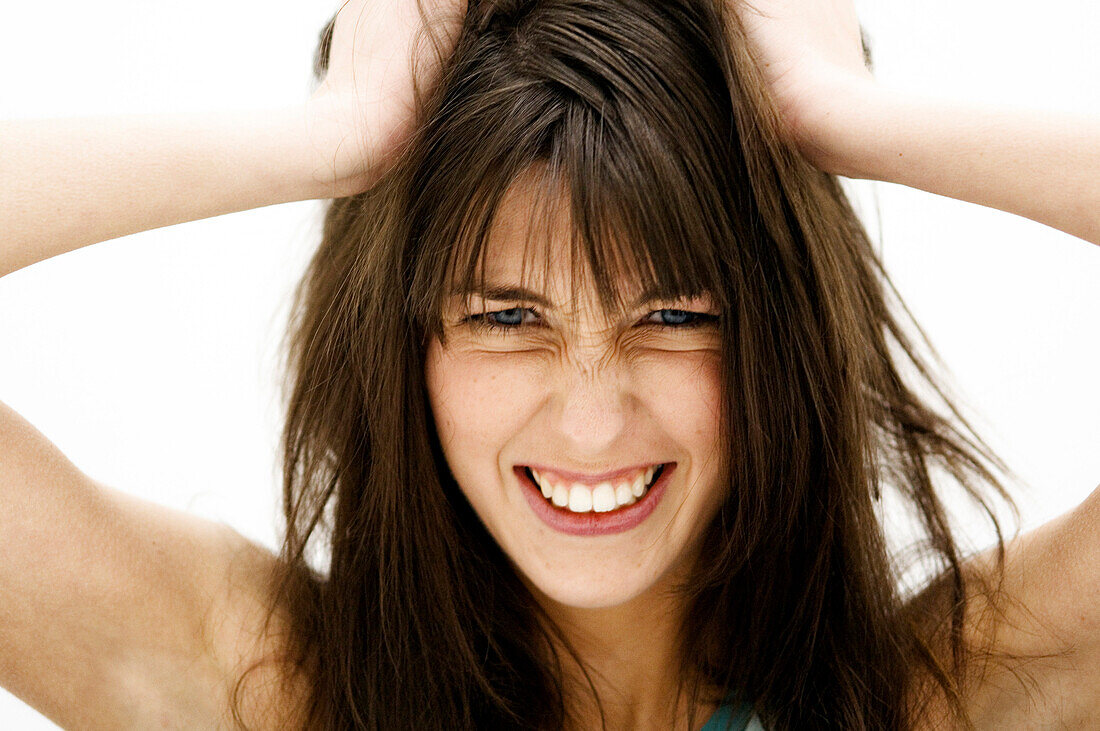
x=362, y=112
x=168, y=607
x=63, y=184
x=1052, y=585
x=1037, y=164
x=580, y=390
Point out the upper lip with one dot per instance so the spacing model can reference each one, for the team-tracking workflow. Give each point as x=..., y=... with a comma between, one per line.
x=589, y=478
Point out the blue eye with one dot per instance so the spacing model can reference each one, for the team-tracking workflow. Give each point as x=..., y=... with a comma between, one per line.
x=679, y=318
x=510, y=317
x=675, y=317
x=501, y=319
x=515, y=318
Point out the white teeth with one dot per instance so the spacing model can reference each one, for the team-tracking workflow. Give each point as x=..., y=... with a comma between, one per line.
x=546, y=487
x=624, y=495
x=561, y=496
x=580, y=499
x=603, y=498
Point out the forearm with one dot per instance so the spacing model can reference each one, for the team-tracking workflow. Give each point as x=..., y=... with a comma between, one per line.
x=68, y=183
x=1043, y=166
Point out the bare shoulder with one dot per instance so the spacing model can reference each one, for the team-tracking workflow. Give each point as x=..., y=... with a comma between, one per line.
x=216, y=643
x=116, y=612
x=1043, y=633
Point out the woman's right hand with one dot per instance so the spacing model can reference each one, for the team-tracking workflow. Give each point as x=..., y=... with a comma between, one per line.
x=364, y=109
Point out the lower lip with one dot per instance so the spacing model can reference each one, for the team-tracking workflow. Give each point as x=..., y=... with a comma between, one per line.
x=592, y=523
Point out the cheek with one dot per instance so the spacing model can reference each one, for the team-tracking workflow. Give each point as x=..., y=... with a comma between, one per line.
x=683, y=391
x=479, y=401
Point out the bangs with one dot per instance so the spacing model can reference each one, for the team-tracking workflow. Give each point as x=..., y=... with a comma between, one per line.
x=623, y=250
x=599, y=166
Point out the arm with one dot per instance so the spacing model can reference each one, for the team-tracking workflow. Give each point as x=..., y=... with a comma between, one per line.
x=1046, y=617
x=116, y=612
x=68, y=183
x=1034, y=164
x=65, y=184
x=1040, y=166
x=1043, y=166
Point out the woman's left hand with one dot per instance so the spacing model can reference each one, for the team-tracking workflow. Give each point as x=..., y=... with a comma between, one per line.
x=1032, y=163
x=811, y=53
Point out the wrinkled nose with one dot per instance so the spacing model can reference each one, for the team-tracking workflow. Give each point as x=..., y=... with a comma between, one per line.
x=593, y=411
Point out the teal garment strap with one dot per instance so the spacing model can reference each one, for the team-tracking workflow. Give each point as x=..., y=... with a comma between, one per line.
x=730, y=718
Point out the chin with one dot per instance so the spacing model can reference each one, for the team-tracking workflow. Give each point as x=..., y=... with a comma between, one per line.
x=585, y=590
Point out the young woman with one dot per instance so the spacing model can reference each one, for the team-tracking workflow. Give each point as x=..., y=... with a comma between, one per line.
x=596, y=392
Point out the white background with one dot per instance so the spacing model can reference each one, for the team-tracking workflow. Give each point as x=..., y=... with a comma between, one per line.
x=151, y=360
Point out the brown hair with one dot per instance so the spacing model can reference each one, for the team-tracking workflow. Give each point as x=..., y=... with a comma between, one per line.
x=653, y=117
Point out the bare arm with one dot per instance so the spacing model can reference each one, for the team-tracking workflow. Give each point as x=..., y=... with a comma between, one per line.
x=116, y=612
x=68, y=183
x=1040, y=165
x=1028, y=162
x=1043, y=631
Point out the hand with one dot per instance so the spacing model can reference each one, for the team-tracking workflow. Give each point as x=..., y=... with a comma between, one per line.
x=363, y=110
x=812, y=56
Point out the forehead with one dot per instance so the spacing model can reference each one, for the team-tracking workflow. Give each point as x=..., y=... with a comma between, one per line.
x=569, y=244
x=531, y=230
x=534, y=242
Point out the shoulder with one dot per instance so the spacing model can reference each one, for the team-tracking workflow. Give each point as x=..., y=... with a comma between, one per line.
x=209, y=638
x=231, y=655
x=246, y=633
x=1042, y=630
x=117, y=612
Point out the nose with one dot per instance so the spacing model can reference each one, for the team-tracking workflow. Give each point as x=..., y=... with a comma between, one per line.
x=593, y=410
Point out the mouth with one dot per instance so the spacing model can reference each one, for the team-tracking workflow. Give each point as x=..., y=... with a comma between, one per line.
x=612, y=505
x=603, y=497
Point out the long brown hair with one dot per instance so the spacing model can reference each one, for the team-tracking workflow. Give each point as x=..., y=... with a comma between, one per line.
x=651, y=114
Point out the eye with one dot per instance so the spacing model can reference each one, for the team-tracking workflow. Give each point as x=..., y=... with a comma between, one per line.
x=679, y=318
x=503, y=319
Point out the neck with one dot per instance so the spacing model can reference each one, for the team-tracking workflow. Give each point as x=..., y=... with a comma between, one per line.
x=631, y=653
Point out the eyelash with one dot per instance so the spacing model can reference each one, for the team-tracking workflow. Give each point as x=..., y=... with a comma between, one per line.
x=696, y=319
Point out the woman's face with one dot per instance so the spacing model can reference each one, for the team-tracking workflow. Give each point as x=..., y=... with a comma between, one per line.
x=590, y=406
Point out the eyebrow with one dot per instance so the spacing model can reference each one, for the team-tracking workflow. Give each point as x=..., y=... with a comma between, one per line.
x=522, y=294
